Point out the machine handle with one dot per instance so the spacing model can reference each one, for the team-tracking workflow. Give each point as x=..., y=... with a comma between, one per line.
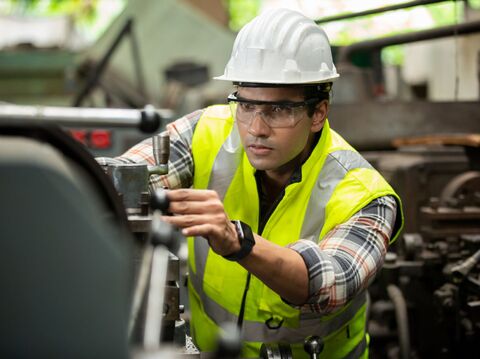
x=147, y=120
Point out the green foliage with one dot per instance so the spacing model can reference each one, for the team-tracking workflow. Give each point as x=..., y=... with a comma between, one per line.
x=474, y=4
x=241, y=12
x=393, y=55
x=444, y=14
x=80, y=10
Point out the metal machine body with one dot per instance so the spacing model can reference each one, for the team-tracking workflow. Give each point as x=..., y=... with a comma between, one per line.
x=73, y=248
x=426, y=300
x=65, y=252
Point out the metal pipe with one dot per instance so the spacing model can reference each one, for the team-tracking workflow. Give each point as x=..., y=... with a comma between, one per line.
x=440, y=32
x=155, y=299
x=148, y=120
x=378, y=10
x=161, y=154
x=161, y=148
x=401, y=316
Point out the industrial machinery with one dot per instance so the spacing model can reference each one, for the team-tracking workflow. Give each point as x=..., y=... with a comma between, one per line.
x=426, y=300
x=88, y=267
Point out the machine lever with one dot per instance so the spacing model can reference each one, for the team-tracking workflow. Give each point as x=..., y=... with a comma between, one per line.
x=313, y=346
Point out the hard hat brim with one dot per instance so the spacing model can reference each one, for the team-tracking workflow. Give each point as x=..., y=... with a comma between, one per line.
x=277, y=83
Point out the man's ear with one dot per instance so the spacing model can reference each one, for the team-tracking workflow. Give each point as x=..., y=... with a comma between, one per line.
x=319, y=116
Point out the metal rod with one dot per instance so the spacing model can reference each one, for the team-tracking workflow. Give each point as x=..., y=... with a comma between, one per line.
x=141, y=288
x=137, y=63
x=445, y=31
x=98, y=70
x=76, y=117
x=155, y=299
x=377, y=11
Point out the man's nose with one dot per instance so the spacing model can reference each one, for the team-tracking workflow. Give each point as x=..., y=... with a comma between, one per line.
x=258, y=126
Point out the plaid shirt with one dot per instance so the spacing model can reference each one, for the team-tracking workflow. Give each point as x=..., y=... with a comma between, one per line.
x=340, y=266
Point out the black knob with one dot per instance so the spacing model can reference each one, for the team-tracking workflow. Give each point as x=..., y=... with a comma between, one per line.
x=160, y=200
x=164, y=234
x=149, y=120
x=313, y=346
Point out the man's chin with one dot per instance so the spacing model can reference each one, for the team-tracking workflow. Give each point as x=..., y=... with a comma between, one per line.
x=261, y=164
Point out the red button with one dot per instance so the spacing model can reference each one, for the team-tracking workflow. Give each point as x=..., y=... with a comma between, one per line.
x=100, y=139
x=79, y=135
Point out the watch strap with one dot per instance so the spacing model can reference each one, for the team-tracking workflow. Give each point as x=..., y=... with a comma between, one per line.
x=247, y=241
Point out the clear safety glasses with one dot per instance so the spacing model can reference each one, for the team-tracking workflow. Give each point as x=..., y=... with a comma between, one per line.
x=275, y=114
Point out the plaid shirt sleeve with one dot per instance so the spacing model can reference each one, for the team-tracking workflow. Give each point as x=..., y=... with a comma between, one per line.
x=180, y=164
x=347, y=259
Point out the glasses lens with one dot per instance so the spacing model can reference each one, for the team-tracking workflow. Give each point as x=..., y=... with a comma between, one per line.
x=274, y=115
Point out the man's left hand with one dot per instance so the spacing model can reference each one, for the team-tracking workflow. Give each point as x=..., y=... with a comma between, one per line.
x=201, y=213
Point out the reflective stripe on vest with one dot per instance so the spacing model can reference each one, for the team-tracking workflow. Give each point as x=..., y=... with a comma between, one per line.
x=259, y=332
x=329, y=177
x=226, y=164
x=358, y=350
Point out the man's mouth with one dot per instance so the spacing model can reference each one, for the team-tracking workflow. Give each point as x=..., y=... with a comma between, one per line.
x=259, y=149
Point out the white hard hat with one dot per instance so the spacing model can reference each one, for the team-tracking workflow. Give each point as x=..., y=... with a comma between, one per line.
x=281, y=46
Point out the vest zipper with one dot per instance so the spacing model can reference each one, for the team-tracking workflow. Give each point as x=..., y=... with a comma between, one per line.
x=241, y=314
x=261, y=227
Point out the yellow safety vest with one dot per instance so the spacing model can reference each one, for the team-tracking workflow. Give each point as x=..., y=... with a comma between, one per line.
x=336, y=183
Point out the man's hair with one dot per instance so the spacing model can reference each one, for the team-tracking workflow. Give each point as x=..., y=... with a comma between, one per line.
x=317, y=91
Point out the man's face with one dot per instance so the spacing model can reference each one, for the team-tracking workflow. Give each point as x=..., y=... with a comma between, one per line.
x=275, y=149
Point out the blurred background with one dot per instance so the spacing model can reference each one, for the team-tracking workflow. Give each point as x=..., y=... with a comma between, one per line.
x=126, y=54
x=48, y=48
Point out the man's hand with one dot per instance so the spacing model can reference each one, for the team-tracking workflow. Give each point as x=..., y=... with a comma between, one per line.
x=201, y=213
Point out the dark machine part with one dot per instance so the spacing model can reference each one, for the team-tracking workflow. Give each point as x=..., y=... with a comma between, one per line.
x=426, y=301
x=156, y=303
x=188, y=73
x=181, y=77
x=68, y=252
x=131, y=179
x=65, y=251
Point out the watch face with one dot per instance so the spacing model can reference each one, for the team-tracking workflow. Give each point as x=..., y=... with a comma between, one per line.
x=240, y=232
x=247, y=241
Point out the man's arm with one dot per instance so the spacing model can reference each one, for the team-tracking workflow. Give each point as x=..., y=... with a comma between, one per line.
x=180, y=164
x=346, y=261
x=324, y=276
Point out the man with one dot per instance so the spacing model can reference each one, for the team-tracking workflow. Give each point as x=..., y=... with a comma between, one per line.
x=287, y=223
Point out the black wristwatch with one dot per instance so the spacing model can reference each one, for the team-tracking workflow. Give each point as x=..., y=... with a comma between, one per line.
x=247, y=241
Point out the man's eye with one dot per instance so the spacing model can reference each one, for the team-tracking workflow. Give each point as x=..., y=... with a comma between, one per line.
x=278, y=109
x=246, y=107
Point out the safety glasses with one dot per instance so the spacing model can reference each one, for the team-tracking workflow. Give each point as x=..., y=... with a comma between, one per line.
x=281, y=114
